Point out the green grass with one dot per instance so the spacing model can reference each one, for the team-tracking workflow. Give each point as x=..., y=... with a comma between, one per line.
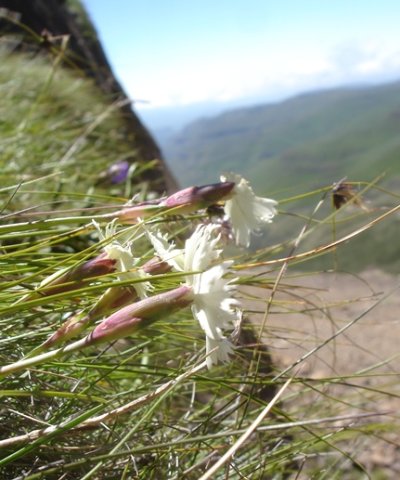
x=145, y=407
x=55, y=125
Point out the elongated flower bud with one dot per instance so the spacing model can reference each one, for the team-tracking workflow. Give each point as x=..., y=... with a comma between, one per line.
x=112, y=298
x=195, y=198
x=69, y=329
x=156, y=266
x=184, y=201
x=132, y=214
x=74, y=278
x=140, y=314
x=115, y=297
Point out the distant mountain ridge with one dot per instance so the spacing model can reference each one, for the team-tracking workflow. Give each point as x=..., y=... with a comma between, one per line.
x=306, y=141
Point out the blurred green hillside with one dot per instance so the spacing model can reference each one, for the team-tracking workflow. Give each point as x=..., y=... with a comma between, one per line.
x=299, y=144
x=64, y=118
x=62, y=110
x=306, y=144
x=55, y=123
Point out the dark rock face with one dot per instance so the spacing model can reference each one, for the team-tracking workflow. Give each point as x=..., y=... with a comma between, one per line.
x=39, y=24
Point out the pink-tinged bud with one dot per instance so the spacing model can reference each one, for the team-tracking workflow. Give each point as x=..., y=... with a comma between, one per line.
x=156, y=266
x=113, y=298
x=187, y=200
x=76, y=277
x=140, y=314
x=101, y=265
x=194, y=198
x=69, y=329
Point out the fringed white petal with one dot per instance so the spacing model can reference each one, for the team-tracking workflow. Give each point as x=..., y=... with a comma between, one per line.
x=245, y=210
x=218, y=351
x=125, y=261
x=167, y=251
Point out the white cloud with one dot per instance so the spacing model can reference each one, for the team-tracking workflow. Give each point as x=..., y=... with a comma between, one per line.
x=369, y=60
x=232, y=79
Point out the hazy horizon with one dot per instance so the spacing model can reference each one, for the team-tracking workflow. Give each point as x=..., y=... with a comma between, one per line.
x=169, y=120
x=208, y=56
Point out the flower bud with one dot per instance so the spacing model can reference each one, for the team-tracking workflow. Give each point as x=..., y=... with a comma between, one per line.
x=187, y=200
x=140, y=314
x=195, y=198
x=72, y=279
x=69, y=329
x=113, y=298
x=132, y=214
x=116, y=173
x=156, y=266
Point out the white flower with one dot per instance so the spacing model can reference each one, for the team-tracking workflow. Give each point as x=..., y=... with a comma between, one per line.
x=212, y=305
x=121, y=251
x=220, y=350
x=246, y=211
x=167, y=251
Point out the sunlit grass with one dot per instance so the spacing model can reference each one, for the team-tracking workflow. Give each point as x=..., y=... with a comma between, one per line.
x=145, y=406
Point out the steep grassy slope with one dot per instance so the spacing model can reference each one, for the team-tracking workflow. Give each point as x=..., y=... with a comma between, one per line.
x=56, y=125
x=307, y=141
x=60, y=32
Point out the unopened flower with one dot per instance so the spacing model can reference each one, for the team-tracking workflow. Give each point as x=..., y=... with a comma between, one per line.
x=68, y=279
x=195, y=198
x=116, y=173
x=212, y=305
x=112, y=298
x=184, y=201
x=247, y=212
x=133, y=214
x=156, y=266
x=140, y=314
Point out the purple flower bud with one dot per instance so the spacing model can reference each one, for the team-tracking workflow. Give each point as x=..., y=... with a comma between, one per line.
x=76, y=277
x=116, y=173
x=100, y=265
x=187, y=200
x=140, y=314
x=156, y=266
x=113, y=298
x=194, y=198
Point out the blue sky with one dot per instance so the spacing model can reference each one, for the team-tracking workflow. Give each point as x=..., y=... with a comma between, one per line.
x=172, y=53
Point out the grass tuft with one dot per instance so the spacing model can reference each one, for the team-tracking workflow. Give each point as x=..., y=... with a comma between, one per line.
x=145, y=406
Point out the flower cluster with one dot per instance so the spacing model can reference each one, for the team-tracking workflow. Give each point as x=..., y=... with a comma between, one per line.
x=212, y=304
x=207, y=284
